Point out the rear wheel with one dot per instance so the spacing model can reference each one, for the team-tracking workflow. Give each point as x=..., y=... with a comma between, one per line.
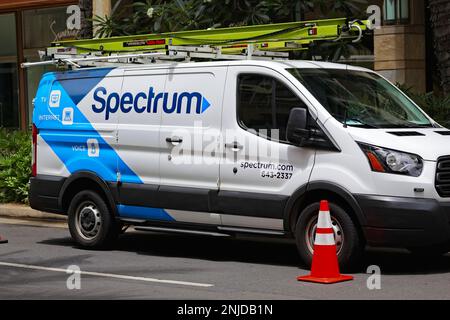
x=349, y=245
x=90, y=223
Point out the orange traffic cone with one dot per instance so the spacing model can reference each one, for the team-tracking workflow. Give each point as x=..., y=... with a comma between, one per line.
x=325, y=267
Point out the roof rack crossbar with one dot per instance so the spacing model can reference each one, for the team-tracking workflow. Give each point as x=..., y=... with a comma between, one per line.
x=74, y=61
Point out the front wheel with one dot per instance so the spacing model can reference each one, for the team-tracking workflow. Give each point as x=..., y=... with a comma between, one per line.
x=90, y=223
x=349, y=245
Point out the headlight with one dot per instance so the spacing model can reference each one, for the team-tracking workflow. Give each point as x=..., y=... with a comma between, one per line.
x=392, y=161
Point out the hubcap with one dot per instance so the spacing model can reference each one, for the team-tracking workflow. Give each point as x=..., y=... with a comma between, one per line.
x=88, y=220
x=311, y=234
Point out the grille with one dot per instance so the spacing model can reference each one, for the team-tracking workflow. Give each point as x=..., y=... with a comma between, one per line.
x=442, y=181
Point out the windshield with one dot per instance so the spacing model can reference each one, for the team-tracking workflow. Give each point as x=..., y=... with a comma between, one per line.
x=361, y=99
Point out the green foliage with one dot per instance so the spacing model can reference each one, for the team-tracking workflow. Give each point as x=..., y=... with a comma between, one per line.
x=107, y=26
x=15, y=165
x=331, y=50
x=346, y=7
x=437, y=107
x=154, y=16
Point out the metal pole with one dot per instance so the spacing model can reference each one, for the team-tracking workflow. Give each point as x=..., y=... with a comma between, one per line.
x=87, y=59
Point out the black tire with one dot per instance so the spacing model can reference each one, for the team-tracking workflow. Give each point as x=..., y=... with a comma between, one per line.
x=349, y=251
x=99, y=229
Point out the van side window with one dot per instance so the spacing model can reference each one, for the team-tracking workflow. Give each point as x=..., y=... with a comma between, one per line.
x=264, y=103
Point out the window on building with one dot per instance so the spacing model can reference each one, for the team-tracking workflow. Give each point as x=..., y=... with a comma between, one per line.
x=396, y=11
x=9, y=93
x=264, y=104
x=40, y=28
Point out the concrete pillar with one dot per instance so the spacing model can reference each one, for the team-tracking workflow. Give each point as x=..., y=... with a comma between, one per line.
x=400, y=49
x=101, y=8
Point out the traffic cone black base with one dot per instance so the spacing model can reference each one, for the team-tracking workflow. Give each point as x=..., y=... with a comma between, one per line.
x=3, y=240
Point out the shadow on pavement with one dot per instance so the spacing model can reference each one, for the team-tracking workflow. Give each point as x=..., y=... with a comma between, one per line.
x=249, y=249
x=397, y=262
x=259, y=250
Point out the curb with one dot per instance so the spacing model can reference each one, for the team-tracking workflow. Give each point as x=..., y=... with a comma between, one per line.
x=21, y=211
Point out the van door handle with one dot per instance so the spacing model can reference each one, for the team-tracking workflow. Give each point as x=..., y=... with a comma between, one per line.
x=235, y=146
x=174, y=139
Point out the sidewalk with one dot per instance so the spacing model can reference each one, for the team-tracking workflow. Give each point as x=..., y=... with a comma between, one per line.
x=24, y=212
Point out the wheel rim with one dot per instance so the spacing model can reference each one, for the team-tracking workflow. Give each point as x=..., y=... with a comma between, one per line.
x=311, y=234
x=88, y=220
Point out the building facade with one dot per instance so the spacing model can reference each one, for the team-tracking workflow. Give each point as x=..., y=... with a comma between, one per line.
x=401, y=47
x=26, y=27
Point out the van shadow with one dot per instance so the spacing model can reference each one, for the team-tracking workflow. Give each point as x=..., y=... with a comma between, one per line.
x=248, y=250
x=402, y=262
x=258, y=250
x=238, y=249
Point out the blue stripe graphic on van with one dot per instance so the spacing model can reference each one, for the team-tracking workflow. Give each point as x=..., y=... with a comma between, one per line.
x=146, y=213
x=70, y=134
x=91, y=77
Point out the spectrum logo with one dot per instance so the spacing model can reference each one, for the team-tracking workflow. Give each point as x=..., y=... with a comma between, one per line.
x=148, y=102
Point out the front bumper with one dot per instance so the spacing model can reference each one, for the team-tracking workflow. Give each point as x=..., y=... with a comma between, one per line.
x=404, y=222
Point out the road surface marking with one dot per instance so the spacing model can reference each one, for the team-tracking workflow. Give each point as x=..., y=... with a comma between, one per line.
x=107, y=275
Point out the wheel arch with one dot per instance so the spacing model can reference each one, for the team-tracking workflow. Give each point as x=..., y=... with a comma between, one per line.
x=321, y=190
x=85, y=180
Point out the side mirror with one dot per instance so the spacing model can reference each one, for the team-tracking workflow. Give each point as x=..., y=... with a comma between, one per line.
x=296, y=130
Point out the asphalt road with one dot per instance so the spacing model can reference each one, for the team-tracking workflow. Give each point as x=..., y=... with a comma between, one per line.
x=172, y=266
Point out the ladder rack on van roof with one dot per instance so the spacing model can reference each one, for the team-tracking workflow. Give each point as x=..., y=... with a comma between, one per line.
x=269, y=41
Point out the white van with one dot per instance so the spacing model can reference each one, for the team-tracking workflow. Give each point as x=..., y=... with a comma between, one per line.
x=241, y=147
